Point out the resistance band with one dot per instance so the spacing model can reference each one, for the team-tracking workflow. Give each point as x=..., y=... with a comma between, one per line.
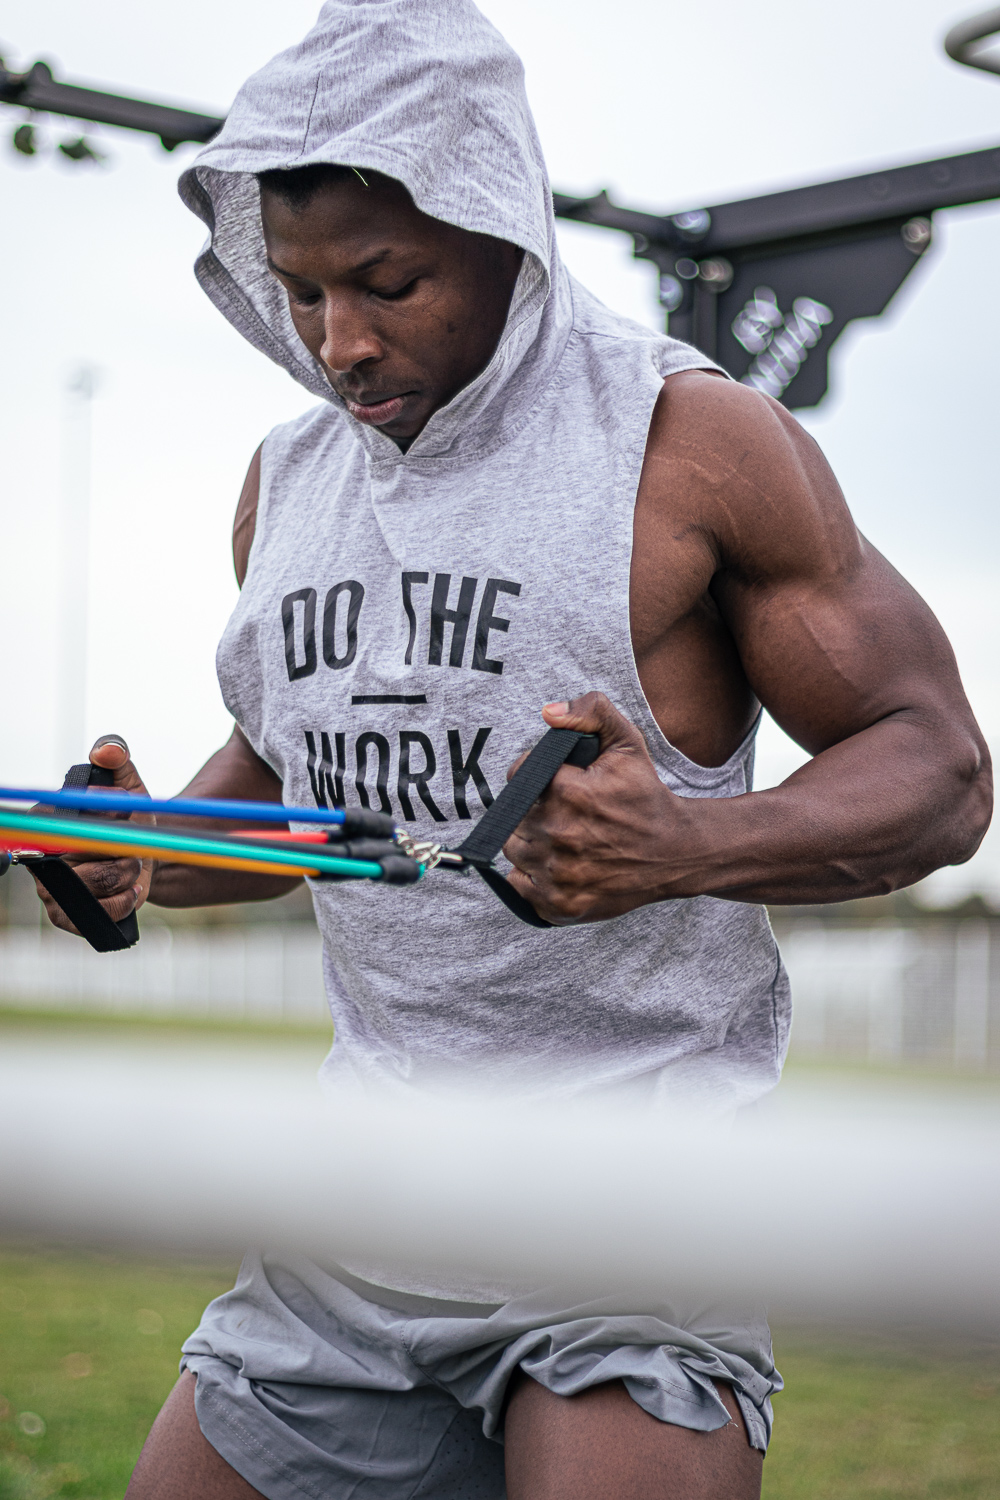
x=362, y=844
x=56, y=834
x=195, y=807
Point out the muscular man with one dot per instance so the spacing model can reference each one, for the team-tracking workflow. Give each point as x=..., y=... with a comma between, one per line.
x=513, y=508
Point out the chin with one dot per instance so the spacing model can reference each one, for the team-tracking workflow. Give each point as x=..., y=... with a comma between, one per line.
x=404, y=429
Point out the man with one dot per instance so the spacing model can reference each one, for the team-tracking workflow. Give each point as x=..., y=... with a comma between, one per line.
x=508, y=498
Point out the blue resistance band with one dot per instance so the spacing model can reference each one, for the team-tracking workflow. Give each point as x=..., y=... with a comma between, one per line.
x=195, y=807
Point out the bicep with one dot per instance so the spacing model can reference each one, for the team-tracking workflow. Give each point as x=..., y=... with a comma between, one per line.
x=245, y=522
x=830, y=652
x=831, y=637
x=236, y=770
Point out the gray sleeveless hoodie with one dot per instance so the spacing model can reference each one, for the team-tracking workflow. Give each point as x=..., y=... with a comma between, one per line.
x=405, y=616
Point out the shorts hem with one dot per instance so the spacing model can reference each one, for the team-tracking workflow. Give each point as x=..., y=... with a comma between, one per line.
x=234, y=1441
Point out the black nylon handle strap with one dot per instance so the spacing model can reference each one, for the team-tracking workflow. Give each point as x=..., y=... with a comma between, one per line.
x=513, y=900
x=79, y=778
x=521, y=792
x=82, y=906
x=68, y=891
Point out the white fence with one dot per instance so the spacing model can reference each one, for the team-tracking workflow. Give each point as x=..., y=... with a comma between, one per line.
x=927, y=993
x=268, y=972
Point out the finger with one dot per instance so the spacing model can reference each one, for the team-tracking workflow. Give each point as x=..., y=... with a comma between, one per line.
x=123, y=905
x=117, y=907
x=111, y=753
x=118, y=884
x=594, y=713
x=562, y=909
x=106, y=877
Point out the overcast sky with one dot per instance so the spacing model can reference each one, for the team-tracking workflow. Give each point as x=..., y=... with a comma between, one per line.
x=668, y=106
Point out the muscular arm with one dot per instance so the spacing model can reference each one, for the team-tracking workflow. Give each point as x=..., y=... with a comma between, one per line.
x=740, y=525
x=234, y=771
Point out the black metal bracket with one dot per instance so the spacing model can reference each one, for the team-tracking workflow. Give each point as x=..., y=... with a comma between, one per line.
x=960, y=43
x=765, y=285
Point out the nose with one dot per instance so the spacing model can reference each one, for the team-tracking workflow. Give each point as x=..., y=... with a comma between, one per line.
x=348, y=337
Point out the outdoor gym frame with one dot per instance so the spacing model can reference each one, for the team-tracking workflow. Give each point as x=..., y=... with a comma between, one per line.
x=764, y=285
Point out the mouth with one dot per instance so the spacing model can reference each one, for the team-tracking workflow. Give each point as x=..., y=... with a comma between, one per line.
x=377, y=413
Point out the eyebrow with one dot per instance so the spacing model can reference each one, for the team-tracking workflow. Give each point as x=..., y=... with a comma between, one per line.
x=365, y=265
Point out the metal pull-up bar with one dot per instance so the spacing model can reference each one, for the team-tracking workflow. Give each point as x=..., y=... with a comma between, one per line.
x=764, y=285
x=37, y=90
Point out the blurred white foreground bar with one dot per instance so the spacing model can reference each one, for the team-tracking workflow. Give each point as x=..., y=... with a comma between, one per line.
x=816, y=1208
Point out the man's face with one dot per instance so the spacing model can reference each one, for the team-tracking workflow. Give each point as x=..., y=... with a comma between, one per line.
x=401, y=309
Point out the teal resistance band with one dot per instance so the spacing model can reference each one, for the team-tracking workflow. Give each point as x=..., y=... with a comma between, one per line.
x=155, y=839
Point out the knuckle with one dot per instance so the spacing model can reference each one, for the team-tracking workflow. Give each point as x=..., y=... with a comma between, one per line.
x=517, y=849
x=588, y=700
x=107, y=878
x=119, y=906
x=569, y=838
x=567, y=907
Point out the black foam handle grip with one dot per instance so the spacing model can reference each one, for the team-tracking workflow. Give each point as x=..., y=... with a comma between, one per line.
x=585, y=751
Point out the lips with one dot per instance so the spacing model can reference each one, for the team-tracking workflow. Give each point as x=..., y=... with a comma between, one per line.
x=375, y=413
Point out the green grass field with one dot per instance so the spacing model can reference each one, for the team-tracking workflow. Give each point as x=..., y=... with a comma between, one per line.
x=89, y=1346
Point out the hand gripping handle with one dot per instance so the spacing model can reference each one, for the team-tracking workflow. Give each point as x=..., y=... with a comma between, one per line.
x=68, y=891
x=557, y=748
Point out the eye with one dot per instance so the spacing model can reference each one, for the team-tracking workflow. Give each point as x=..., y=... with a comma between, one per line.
x=397, y=293
x=305, y=299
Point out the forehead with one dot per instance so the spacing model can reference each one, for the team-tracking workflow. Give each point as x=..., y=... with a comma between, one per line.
x=343, y=218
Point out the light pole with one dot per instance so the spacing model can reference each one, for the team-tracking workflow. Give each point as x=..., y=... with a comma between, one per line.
x=74, y=538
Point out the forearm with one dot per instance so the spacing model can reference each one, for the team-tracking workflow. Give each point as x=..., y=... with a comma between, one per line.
x=877, y=810
x=872, y=814
x=190, y=885
x=234, y=771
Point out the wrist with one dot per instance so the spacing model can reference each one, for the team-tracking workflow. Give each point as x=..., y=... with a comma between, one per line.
x=704, y=845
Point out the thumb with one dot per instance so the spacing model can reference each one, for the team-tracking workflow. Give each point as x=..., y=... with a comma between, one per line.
x=593, y=713
x=111, y=753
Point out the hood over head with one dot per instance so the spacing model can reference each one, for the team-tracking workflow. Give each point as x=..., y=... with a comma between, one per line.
x=428, y=92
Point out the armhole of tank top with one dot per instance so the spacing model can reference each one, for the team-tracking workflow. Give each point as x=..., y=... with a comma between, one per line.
x=734, y=773
x=245, y=520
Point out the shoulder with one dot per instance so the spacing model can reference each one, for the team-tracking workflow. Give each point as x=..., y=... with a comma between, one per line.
x=722, y=420
x=245, y=522
x=600, y=326
x=735, y=465
x=311, y=431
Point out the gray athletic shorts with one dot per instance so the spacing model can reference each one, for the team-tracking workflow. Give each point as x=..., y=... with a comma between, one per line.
x=319, y=1384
